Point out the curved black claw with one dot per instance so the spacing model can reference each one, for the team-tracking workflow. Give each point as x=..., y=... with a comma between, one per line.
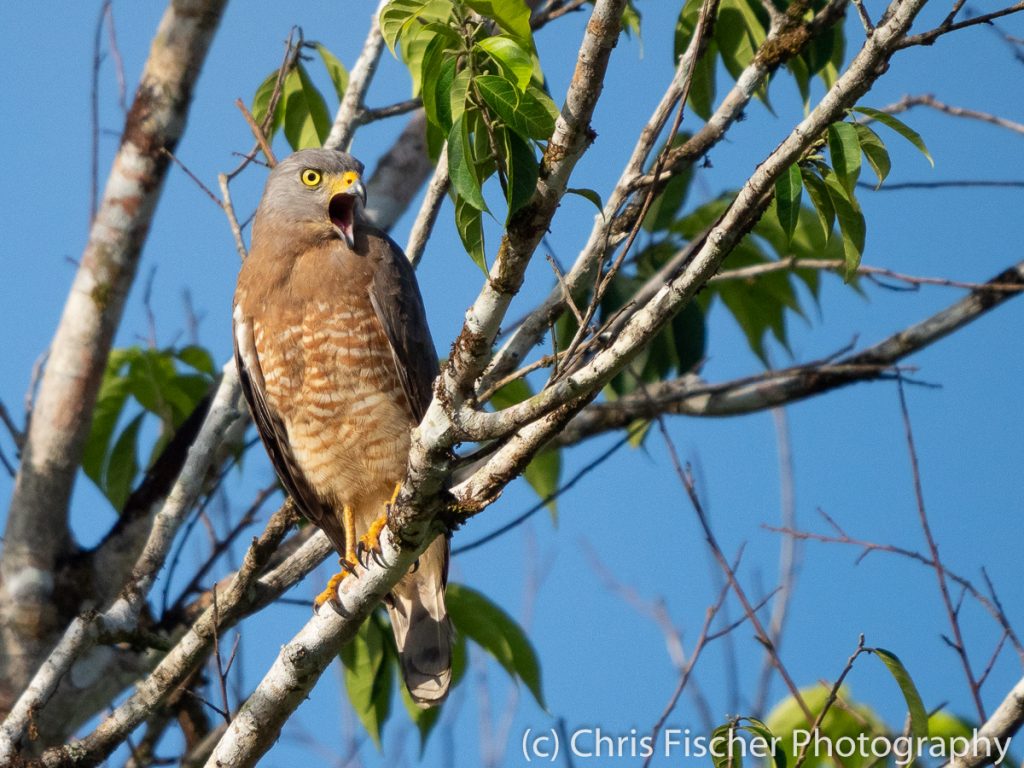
x=415, y=566
x=361, y=550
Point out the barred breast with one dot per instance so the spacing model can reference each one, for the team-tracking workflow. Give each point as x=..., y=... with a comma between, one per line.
x=342, y=402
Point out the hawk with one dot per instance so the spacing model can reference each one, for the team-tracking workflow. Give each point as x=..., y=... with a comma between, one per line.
x=336, y=363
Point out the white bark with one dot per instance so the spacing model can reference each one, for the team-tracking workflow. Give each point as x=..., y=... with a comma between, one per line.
x=37, y=533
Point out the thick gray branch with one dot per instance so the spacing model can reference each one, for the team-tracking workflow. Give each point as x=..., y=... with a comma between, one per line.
x=37, y=534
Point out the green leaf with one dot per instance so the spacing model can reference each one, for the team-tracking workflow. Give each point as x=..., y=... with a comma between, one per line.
x=702, y=86
x=512, y=15
x=739, y=33
x=368, y=677
x=197, y=357
x=588, y=194
x=631, y=22
x=496, y=632
x=851, y=224
x=763, y=732
x=306, y=120
x=666, y=206
x=434, y=59
x=689, y=336
x=261, y=103
x=725, y=753
x=461, y=166
x=398, y=16
x=849, y=721
x=123, y=464
x=798, y=68
x=105, y=415
x=543, y=473
x=335, y=70
x=900, y=127
x=918, y=714
x=469, y=222
x=788, y=192
x=523, y=112
x=514, y=60
x=522, y=168
x=875, y=151
x=844, y=150
x=818, y=193
x=437, y=99
x=458, y=93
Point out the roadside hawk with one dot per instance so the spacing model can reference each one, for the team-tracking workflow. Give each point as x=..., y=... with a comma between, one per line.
x=336, y=363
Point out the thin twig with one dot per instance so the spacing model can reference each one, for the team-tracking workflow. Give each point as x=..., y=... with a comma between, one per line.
x=564, y=488
x=557, y=10
x=841, y=537
x=229, y=210
x=947, y=184
x=762, y=635
x=429, y=209
x=94, y=112
x=748, y=273
x=831, y=699
x=392, y=110
x=865, y=20
x=684, y=675
x=929, y=37
x=196, y=179
x=933, y=548
x=222, y=677
x=16, y=434
x=928, y=100
x=788, y=552
x=257, y=131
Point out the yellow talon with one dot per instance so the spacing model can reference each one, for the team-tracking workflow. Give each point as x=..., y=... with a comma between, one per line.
x=370, y=541
x=330, y=594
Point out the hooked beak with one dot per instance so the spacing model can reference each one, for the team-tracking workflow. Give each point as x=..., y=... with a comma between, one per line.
x=342, y=207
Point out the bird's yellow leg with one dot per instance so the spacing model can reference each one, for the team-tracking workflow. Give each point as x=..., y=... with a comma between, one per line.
x=370, y=542
x=348, y=521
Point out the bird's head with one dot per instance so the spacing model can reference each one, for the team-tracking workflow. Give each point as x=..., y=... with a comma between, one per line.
x=317, y=190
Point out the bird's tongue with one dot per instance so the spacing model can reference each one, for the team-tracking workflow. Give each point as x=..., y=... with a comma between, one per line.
x=342, y=212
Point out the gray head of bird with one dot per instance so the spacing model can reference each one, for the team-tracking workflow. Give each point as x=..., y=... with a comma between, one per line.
x=315, y=193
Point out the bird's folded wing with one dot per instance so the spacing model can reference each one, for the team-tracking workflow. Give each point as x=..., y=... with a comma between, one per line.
x=399, y=308
x=275, y=436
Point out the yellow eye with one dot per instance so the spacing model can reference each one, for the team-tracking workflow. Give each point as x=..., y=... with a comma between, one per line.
x=310, y=177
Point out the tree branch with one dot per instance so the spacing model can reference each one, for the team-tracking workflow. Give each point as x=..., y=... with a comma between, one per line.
x=37, y=532
x=689, y=396
x=347, y=119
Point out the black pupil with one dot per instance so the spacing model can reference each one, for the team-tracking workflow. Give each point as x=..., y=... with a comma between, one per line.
x=311, y=177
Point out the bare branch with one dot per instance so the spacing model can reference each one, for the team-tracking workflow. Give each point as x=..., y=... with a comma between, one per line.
x=927, y=100
x=429, y=209
x=691, y=397
x=929, y=37
x=1003, y=724
x=347, y=118
x=37, y=528
x=953, y=614
x=257, y=132
x=399, y=175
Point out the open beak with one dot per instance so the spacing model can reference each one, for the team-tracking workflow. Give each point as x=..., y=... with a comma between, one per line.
x=341, y=209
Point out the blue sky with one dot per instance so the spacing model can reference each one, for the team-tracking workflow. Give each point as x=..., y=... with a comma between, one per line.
x=603, y=664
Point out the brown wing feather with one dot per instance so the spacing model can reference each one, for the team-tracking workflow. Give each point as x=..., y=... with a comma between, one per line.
x=399, y=307
x=275, y=437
